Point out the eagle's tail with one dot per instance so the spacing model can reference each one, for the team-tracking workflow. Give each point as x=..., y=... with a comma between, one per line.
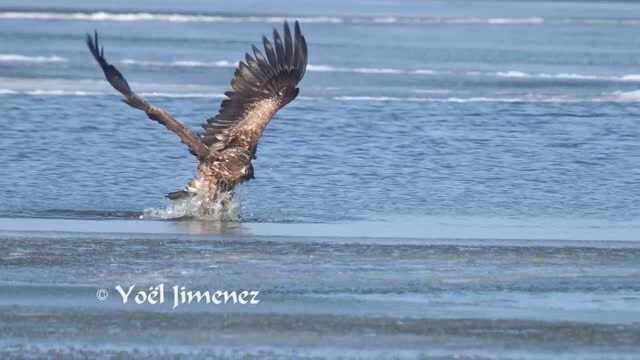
x=180, y=194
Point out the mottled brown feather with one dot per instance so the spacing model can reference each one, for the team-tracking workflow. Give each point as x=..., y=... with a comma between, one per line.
x=117, y=80
x=260, y=87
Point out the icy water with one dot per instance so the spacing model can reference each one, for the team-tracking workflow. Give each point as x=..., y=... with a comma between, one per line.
x=456, y=179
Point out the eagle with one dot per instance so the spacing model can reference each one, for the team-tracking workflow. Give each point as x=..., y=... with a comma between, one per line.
x=263, y=83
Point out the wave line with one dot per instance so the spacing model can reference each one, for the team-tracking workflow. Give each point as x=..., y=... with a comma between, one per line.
x=141, y=16
x=17, y=58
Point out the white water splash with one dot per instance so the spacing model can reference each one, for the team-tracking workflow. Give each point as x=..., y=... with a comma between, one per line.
x=225, y=209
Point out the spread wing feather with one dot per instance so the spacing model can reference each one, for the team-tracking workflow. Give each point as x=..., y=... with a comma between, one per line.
x=117, y=80
x=262, y=84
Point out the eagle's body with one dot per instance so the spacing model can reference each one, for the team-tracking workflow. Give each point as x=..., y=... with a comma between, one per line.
x=261, y=86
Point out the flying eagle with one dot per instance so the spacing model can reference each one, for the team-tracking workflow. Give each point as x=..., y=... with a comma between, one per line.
x=261, y=85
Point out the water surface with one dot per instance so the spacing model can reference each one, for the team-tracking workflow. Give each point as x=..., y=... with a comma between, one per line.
x=455, y=180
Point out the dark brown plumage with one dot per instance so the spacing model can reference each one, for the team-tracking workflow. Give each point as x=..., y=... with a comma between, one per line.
x=262, y=85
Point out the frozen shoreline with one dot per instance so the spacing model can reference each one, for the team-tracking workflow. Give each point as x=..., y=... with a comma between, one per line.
x=321, y=296
x=397, y=230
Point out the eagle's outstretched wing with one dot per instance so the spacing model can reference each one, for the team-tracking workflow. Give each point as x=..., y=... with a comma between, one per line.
x=115, y=78
x=260, y=87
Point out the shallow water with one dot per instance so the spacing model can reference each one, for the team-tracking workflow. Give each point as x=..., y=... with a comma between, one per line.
x=456, y=179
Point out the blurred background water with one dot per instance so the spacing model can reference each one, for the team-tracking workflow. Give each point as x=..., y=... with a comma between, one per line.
x=495, y=109
x=456, y=179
